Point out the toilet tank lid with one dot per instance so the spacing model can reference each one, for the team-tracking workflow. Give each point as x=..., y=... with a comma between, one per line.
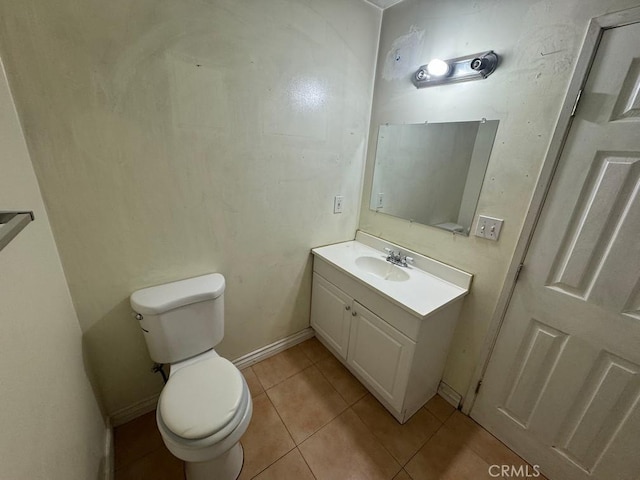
x=162, y=298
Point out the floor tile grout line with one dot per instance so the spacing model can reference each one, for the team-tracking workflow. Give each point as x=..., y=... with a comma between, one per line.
x=469, y=449
x=497, y=439
x=272, y=463
x=314, y=433
x=473, y=450
x=374, y=435
x=378, y=440
x=312, y=364
x=407, y=473
x=350, y=407
x=436, y=416
x=306, y=354
x=307, y=463
x=339, y=394
x=423, y=445
x=319, y=428
x=323, y=427
x=281, y=420
x=288, y=433
x=279, y=382
x=339, y=413
x=139, y=457
x=286, y=378
x=160, y=444
x=133, y=462
x=255, y=375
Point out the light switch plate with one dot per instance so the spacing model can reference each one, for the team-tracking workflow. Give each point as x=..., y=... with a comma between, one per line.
x=338, y=203
x=488, y=227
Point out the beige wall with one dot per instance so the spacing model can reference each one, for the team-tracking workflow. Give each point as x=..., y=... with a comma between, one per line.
x=538, y=42
x=51, y=423
x=173, y=139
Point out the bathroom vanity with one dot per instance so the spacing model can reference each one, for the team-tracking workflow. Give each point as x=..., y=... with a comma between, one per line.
x=391, y=326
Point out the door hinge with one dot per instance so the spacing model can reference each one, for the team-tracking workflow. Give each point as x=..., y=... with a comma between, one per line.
x=478, y=386
x=575, y=104
x=520, y=267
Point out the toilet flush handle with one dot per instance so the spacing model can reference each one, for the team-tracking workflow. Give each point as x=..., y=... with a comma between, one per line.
x=139, y=317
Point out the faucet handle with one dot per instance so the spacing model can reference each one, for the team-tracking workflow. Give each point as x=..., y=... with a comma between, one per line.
x=388, y=250
x=408, y=260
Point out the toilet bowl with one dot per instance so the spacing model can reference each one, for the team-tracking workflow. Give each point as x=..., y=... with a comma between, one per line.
x=205, y=406
x=202, y=413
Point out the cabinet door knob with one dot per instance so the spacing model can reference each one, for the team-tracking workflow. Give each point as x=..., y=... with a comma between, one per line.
x=348, y=307
x=353, y=313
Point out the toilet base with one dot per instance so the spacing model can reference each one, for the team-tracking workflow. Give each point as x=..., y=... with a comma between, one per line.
x=225, y=467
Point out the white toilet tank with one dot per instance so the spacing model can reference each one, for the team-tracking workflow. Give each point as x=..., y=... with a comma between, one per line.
x=181, y=319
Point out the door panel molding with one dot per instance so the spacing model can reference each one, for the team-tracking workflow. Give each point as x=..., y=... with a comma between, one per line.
x=541, y=349
x=583, y=65
x=628, y=105
x=607, y=399
x=585, y=261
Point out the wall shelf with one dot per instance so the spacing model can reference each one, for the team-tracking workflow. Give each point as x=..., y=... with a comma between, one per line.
x=12, y=223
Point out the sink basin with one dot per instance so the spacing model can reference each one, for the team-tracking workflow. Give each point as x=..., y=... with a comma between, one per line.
x=381, y=269
x=422, y=289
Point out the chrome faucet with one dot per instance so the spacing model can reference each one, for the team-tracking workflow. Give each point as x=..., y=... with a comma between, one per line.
x=397, y=259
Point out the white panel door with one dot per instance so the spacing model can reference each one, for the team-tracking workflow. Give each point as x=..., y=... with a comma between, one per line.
x=380, y=354
x=331, y=314
x=562, y=386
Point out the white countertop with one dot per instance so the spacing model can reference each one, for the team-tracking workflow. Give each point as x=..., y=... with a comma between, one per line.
x=422, y=294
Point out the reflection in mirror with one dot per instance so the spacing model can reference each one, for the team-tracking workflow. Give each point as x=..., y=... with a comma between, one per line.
x=432, y=173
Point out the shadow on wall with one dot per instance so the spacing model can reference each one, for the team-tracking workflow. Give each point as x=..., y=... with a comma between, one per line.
x=118, y=337
x=93, y=379
x=476, y=307
x=296, y=305
x=242, y=316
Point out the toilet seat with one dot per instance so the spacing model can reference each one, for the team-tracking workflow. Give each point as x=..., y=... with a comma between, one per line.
x=204, y=401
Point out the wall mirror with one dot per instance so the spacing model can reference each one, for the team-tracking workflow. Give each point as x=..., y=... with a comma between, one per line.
x=432, y=173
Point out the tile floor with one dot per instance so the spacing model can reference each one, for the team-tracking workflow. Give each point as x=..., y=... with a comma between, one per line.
x=313, y=420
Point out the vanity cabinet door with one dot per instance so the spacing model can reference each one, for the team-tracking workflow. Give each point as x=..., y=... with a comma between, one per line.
x=331, y=314
x=380, y=354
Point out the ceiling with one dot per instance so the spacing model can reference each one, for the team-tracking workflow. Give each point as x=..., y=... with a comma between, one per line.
x=384, y=3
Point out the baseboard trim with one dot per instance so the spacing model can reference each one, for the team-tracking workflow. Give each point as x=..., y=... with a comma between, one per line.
x=276, y=347
x=147, y=405
x=109, y=459
x=450, y=395
x=136, y=410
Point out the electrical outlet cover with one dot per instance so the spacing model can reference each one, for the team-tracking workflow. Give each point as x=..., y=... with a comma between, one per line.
x=488, y=227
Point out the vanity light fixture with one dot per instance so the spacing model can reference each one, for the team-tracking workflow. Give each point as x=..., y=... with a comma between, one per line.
x=461, y=69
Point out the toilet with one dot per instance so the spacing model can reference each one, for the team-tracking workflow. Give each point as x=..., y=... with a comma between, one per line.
x=205, y=406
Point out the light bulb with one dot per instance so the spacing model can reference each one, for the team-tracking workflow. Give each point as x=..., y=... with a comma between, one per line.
x=438, y=68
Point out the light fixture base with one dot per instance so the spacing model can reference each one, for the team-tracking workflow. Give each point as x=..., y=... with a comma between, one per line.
x=461, y=69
